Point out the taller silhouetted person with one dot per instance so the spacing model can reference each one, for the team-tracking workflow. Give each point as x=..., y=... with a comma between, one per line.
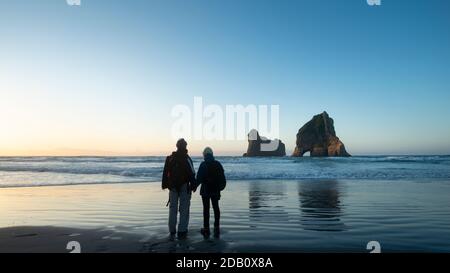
x=178, y=175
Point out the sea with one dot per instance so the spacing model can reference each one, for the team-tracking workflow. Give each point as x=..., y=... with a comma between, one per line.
x=50, y=171
x=397, y=203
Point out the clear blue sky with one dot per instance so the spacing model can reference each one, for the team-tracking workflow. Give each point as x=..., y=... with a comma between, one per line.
x=104, y=76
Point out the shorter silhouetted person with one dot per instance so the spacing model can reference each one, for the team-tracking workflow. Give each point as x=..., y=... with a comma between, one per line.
x=212, y=179
x=178, y=175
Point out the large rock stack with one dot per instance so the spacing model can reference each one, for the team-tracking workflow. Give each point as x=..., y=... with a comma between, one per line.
x=319, y=138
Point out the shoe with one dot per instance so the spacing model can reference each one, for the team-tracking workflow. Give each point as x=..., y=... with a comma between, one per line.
x=205, y=232
x=216, y=232
x=182, y=235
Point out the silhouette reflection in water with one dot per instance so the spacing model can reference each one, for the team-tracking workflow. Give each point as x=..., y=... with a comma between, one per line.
x=267, y=202
x=320, y=206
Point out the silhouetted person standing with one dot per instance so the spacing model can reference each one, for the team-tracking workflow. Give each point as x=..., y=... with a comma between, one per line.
x=212, y=178
x=178, y=174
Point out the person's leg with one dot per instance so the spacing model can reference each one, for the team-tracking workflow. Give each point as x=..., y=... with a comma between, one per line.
x=185, y=203
x=205, y=201
x=215, y=204
x=173, y=209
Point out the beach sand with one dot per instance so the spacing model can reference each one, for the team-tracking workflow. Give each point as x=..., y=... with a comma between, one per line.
x=49, y=239
x=42, y=239
x=257, y=216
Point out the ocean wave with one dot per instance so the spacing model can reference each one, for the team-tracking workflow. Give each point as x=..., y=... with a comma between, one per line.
x=82, y=170
x=83, y=159
x=132, y=172
x=48, y=184
x=406, y=159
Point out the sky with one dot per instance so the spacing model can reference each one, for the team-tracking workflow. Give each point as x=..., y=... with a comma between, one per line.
x=102, y=78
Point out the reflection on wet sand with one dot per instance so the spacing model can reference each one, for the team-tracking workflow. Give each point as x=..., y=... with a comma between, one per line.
x=267, y=202
x=320, y=206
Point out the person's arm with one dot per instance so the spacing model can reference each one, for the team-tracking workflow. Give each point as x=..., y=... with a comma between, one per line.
x=200, y=176
x=191, y=170
x=165, y=178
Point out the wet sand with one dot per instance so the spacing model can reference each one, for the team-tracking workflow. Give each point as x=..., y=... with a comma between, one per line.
x=56, y=240
x=48, y=239
x=257, y=216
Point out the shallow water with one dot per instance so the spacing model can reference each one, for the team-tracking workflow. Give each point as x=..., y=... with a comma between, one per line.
x=257, y=215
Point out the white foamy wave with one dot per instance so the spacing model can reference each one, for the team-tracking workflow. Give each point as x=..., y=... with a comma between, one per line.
x=38, y=171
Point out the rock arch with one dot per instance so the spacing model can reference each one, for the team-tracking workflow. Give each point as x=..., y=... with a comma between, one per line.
x=319, y=138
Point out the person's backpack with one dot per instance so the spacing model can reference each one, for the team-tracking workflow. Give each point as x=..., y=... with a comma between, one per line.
x=222, y=180
x=176, y=173
x=215, y=176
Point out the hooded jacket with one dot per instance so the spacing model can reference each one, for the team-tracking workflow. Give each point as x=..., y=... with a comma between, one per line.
x=210, y=176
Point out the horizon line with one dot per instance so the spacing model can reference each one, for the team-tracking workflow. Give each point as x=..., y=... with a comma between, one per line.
x=226, y=155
